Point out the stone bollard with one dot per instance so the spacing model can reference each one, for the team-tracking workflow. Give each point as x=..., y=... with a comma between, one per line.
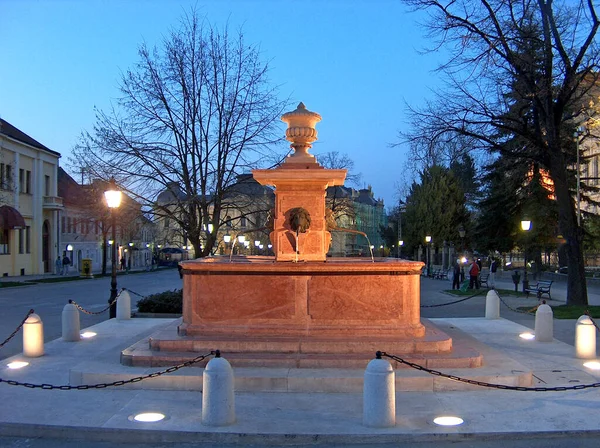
x=124, y=305
x=70, y=323
x=379, y=394
x=492, y=305
x=544, y=323
x=33, y=336
x=585, y=338
x=218, y=399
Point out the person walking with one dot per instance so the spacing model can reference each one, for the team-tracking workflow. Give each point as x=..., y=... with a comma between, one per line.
x=493, y=269
x=58, y=266
x=456, y=275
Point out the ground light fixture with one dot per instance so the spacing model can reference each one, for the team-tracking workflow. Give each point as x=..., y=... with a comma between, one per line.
x=148, y=417
x=593, y=365
x=527, y=336
x=448, y=420
x=88, y=334
x=17, y=364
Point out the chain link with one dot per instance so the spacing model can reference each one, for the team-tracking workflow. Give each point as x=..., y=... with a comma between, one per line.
x=17, y=329
x=451, y=303
x=489, y=385
x=83, y=310
x=135, y=293
x=113, y=384
x=588, y=314
x=530, y=311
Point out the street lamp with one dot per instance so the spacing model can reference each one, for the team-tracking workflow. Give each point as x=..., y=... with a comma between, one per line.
x=428, y=241
x=400, y=244
x=113, y=200
x=525, y=225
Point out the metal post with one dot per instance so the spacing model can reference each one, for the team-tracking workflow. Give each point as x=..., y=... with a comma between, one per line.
x=578, y=181
x=112, y=313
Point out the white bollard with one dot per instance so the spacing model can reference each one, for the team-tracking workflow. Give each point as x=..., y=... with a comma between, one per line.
x=124, y=305
x=33, y=336
x=544, y=323
x=379, y=394
x=218, y=399
x=585, y=338
x=70, y=323
x=492, y=305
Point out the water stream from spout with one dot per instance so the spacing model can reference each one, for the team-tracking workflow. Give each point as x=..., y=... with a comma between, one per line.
x=356, y=232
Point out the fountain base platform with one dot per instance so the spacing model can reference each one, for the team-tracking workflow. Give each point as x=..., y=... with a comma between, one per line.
x=435, y=350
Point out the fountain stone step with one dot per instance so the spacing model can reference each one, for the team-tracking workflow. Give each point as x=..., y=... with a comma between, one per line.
x=436, y=350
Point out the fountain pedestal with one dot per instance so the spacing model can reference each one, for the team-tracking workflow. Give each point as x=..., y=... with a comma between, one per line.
x=301, y=309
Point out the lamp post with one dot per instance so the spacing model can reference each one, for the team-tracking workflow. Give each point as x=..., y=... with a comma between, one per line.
x=525, y=225
x=428, y=241
x=400, y=244
x=113, y=200
x=226, y=240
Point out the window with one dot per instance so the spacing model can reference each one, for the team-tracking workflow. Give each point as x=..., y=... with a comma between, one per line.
x=166, y=223
x=46, y=185
x=28, y=239
x=243, y=221
x=228, y=221
x=5, y=176
x=28, y=182
x=21, y=181
x=21, y=241
x=62, y=224
x=68, y=225
x=4, y=242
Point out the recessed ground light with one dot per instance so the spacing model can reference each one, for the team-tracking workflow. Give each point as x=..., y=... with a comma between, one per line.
x=88, y=334
x=17, y=364
x=448, y=421
x=527, y=336
x=149, y=417
x=594, y=365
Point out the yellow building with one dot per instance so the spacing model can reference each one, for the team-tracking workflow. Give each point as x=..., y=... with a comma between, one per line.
x=29, y=204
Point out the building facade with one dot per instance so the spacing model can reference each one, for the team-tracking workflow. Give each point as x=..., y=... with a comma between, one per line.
x=29, y=204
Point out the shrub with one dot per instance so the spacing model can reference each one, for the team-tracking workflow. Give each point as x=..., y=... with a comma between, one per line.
x=164, y=302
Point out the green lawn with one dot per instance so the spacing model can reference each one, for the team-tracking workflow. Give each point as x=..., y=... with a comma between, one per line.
x=574, y=311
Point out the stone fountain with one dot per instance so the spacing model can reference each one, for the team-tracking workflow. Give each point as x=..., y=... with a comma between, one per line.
x=300, y=308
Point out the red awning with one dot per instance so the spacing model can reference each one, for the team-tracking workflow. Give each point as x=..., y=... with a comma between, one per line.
x=10, y=218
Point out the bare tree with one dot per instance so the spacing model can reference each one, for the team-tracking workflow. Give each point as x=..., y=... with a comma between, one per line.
x=198, y=111
x=516, y=75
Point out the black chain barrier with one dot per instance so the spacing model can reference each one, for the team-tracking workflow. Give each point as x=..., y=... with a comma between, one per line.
x=134, y=293
x=115, y=383
x=452, y=303
x=483, y=383
x=530, y=311
x=588, y=314
x=83, y=310
x=17, y=329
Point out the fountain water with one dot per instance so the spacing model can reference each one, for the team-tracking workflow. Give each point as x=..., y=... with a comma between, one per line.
x=300, y=308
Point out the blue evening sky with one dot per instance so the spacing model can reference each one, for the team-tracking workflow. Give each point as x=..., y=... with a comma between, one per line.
x=354, y=62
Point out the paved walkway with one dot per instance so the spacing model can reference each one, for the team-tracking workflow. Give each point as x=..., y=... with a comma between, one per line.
x=278, y=419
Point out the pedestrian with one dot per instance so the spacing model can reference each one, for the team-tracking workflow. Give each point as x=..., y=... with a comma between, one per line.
x=122, y=263
x=493, y=269
x=456, y=275
x=474, y=275
x=65, y=264
x=58, y=265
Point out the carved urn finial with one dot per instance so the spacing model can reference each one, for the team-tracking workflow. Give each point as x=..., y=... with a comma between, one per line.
x=301, y=131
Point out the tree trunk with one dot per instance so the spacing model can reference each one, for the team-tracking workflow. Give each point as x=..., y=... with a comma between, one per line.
x=571, y=232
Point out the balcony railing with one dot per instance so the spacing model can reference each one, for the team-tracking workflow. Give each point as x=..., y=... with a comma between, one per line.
x=53, y=202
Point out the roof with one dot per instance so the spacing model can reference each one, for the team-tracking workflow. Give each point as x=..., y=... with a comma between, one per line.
x=10, y=131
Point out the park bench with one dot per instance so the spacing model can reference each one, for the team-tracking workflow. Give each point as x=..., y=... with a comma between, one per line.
x=540, y=288
x=483, y=279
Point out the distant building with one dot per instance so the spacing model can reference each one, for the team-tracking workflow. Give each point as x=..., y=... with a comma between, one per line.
x=85, y=226
x=29, y=204
x=356, y=210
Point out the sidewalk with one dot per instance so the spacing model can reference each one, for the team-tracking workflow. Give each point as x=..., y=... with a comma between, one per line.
x=291, y=418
